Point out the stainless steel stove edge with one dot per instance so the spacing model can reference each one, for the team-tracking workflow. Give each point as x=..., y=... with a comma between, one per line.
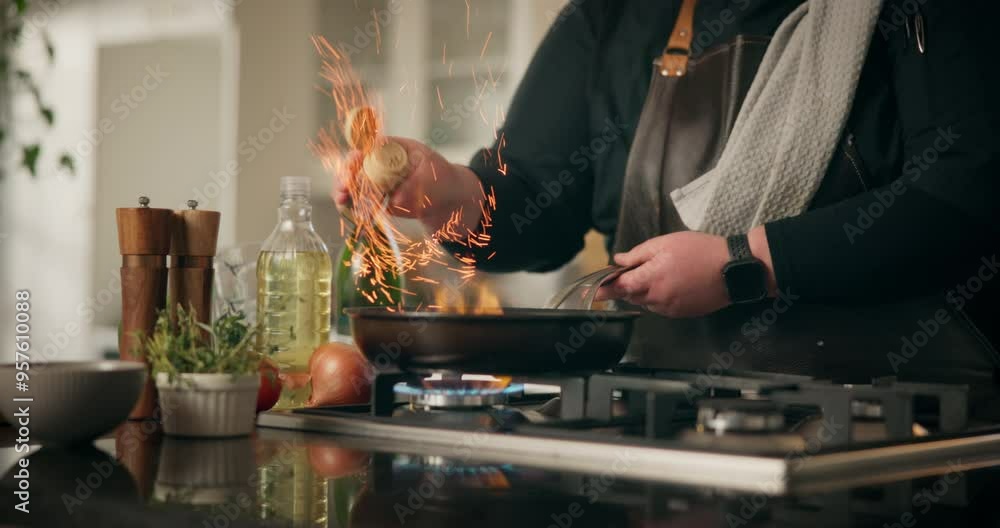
x=621, y=458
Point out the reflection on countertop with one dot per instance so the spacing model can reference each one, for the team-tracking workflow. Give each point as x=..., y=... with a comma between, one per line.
x=137, y=477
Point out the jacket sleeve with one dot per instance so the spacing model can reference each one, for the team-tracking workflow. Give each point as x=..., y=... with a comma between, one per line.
x=932, y=226
x=543, y=200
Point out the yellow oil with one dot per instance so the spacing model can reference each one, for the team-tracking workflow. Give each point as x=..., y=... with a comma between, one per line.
x=293, y=306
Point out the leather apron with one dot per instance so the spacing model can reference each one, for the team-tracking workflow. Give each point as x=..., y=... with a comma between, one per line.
x=690, y=109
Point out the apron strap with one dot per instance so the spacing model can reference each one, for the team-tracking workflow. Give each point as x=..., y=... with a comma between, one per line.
x=674, y=61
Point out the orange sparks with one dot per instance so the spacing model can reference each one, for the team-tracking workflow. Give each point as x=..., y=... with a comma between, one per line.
x=451, y=69
x=389, y=252
x=434, y=172
x=485, y=45
x=491, y=256
x=501, y=166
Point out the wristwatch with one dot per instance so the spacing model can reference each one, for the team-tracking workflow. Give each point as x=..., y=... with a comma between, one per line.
x=745, y=276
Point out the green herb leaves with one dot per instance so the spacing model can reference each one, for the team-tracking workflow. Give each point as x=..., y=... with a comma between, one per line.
x=227, y=346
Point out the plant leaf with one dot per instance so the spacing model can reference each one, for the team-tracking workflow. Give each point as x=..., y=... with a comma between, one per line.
x=67, y=162
x=22, y=6
x=30, y=158
x=50, y=48
x=47, y=114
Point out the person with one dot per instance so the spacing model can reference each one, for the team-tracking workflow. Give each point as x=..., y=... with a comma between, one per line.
x=867, y=208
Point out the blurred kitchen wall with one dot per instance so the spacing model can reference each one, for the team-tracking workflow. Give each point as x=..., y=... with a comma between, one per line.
x=234, y=113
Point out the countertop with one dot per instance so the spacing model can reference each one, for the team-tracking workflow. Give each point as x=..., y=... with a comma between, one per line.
x=138, y=477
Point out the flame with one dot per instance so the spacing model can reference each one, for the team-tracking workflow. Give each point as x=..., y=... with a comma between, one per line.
x=466, y=381
x=369, y=219
x=480, y=300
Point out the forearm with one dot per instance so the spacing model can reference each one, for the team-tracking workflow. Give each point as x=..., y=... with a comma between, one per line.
x=916, y=246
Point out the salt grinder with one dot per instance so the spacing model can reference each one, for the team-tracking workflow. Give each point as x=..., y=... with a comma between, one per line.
x=192, y=250
x=144, y=242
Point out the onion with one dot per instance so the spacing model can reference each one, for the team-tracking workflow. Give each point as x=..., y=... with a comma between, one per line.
x=340, y=376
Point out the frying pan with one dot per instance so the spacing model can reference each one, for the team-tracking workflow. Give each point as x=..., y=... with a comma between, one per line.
x=518, y=341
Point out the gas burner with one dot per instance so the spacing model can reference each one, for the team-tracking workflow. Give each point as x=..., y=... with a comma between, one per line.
x=458, y=393
x=731, y=415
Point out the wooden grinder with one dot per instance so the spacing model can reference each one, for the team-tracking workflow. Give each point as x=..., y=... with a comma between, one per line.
x=144, y=242
x=192, y=249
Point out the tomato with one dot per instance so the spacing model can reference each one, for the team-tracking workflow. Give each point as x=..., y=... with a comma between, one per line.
x=270, y=386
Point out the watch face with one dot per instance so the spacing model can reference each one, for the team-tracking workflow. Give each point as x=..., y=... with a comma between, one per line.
x=745, y=281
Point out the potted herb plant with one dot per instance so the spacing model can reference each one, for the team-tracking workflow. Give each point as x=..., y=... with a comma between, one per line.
x=207, y=375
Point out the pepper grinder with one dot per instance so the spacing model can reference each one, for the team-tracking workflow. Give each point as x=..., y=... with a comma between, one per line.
x=192, y=250
x=144, y=242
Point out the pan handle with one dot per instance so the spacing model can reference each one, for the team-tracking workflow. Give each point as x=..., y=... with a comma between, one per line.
x=581, y=293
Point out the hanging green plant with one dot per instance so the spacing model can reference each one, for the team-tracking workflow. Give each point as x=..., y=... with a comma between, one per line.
x=13, y=79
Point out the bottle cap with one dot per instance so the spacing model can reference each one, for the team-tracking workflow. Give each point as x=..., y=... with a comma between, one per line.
x=295, y=186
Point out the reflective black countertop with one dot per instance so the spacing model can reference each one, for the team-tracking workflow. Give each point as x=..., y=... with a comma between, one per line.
x=137, y=477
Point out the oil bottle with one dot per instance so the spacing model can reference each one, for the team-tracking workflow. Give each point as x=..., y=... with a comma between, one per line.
x=294, y=273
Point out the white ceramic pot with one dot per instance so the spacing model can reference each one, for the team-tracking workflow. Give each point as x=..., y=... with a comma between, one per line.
x=204, y=471
x=208, y=405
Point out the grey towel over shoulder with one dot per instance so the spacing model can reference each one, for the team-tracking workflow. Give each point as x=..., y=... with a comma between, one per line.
x=790, y=123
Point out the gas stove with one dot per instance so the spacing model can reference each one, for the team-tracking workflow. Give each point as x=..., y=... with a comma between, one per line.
x=742, y=432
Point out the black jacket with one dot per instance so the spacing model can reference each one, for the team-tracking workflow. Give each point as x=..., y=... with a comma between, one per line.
x=908, y=205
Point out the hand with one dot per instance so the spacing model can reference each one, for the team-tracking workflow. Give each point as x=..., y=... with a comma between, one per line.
x=678, y=275
x=447, y=187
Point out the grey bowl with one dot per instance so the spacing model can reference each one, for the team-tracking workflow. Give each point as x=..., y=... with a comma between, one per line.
x=73, y=402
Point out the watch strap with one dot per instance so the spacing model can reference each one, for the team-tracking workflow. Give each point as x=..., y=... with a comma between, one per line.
x=739, y=247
